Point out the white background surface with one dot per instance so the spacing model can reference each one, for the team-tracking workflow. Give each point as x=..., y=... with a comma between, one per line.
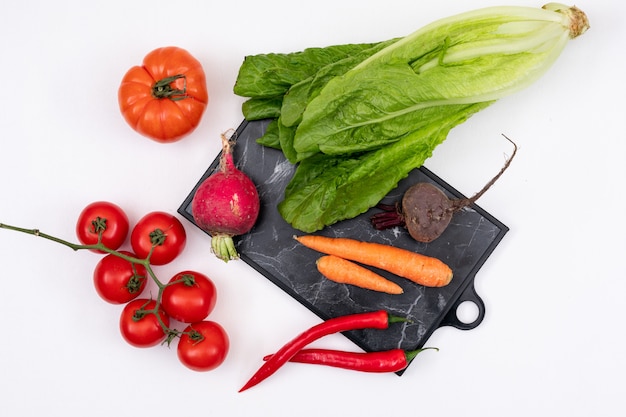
x=551, y=342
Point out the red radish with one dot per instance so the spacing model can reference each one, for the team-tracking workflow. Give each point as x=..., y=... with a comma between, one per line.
x=226, y=204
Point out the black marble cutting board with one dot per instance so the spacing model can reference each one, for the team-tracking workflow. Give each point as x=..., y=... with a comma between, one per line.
x=271, y=250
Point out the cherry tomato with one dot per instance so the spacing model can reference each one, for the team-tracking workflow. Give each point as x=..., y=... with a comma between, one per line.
x=141, y=328
x=105, y=217
x=117, y=280
x=164, y=98
x=189, y=297
x=161, y=230
x=203, y=346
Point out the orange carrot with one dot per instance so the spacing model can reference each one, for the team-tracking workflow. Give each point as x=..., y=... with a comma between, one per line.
x=421, y=269
x=345, y=272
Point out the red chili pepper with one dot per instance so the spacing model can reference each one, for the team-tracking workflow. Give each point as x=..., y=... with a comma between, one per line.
x=374, y=320
x=393, y=360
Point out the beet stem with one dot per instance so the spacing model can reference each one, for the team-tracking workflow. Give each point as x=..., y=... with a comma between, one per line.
x=387, y=207
x=390, y=217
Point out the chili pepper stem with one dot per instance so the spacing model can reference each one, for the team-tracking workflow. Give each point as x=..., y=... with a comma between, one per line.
x=398, y=319
x=411, y=354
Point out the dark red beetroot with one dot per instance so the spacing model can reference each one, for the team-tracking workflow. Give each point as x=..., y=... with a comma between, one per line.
x=426, y=211
x=226, y=204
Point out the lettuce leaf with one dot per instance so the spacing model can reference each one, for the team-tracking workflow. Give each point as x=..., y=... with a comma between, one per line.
x=259, y=108
x=271, y=75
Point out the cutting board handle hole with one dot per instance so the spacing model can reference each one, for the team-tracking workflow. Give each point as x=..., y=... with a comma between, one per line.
x=467, y=312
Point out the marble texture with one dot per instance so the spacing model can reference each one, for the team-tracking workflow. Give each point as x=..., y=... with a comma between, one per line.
x=270, y=249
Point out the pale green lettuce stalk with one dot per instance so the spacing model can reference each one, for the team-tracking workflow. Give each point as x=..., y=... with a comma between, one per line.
x=473, y=57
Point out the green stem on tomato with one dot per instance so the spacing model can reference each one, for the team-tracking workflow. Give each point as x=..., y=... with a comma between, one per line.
x=170, y=333
x=163, y=88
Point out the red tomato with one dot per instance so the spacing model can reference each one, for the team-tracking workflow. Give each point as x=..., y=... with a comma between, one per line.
x=105, y=217
x=140, y=328
x=164, y=98
x=189, y=297
x=117, y=280
x=203, y=346
x=161, y=230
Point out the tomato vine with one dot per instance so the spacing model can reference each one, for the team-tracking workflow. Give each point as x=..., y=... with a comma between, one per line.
x=170, y=333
